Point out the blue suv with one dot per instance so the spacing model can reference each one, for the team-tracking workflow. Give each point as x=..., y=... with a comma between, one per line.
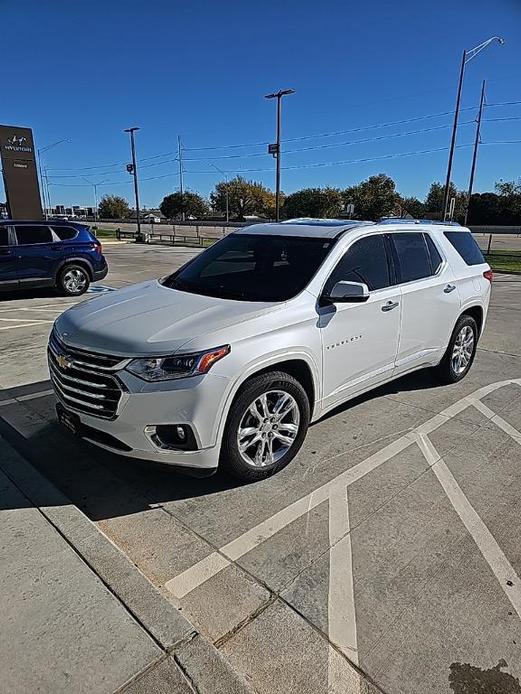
x=65, y=255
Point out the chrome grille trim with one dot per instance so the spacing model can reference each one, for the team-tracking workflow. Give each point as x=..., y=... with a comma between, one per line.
x=83, y=384
x=89, y=360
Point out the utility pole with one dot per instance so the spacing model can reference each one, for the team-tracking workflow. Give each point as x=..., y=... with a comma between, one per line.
x=453, y=137
x=467, y=57
x=180, y=158
x=132, y=168
x=475, y=153
x=95, y=189
x=275, y=149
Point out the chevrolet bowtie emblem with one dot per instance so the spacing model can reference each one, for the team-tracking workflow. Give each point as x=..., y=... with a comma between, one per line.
x=64, y=362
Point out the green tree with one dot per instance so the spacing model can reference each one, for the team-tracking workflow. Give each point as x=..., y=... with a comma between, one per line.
x=313, y=202
x=434, y=201
x=509, y=199
x=244, y=198
x=190, y=204
x=113, y=207
x=374, y=198
x=412, y=206
x=485, y=208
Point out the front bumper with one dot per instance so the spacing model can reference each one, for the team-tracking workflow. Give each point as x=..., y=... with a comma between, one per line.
x=196, y=402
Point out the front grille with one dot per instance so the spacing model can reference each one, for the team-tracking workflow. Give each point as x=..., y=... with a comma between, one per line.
x=83, y=380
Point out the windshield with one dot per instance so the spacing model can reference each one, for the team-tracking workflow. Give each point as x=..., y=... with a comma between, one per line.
x=251, y=267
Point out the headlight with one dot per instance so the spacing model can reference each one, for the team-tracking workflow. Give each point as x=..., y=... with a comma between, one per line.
x=178, y=366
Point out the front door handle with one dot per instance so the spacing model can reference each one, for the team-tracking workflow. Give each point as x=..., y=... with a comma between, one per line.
x=389, y=306
x=449, y=288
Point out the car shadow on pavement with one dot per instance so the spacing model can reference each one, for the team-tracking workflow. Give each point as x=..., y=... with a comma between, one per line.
x=105, y=485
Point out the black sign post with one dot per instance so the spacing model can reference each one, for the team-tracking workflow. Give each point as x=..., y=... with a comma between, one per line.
x=19, y=172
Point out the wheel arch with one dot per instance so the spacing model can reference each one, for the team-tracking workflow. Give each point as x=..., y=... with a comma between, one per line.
x=475, y=311
x=74, y=261
x=298, y=365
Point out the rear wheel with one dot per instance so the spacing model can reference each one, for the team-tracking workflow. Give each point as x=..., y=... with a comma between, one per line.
x=461, y=351
x=73, y=280
x=266, y=426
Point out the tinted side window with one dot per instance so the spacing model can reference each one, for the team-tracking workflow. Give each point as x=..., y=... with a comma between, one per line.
x=365, y=261
x=64, y=233
x=414, y=261
x=33, y=234
x=4, y=238
x=436, y=259
x=466, y=245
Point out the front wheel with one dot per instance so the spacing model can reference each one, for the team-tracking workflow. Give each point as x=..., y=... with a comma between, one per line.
x=266, y=426
x=461, y=351
x=73, y=280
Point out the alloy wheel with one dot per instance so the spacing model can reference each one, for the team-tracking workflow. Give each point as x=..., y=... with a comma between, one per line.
x=268, y=428
x=463, y=349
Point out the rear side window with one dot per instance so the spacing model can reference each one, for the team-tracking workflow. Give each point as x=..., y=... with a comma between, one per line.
x=365, y=261
x=466, y=245
x=414, y=261
x=4, y=238
x=64, y=233
x=33, y=234
x=436, y=259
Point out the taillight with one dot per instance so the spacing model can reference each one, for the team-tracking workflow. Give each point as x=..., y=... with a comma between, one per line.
x=98, y=247
x=488, y=275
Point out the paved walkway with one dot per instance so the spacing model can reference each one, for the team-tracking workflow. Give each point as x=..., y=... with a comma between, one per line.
x=66, y=626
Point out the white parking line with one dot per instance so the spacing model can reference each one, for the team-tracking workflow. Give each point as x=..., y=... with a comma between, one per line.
x=25, y=320
x=485, y=541
x=29, y=396
x=41, y=307
x=341, y=598
x=197, y=574
x=30, y=324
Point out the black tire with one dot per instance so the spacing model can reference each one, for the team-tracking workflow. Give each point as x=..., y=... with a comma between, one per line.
x=231, y=458
x=446, y=371
x=68, y=287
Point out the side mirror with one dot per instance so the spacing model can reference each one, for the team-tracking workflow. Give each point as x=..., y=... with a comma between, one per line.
x=348, y=292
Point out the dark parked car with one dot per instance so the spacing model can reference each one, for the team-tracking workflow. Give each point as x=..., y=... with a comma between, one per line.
x=65, y=255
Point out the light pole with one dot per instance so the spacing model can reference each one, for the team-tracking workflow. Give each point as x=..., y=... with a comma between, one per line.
x=275, y=149
x=466, y=58
x=45, y=185
x=132, y=169
x=95, y=187
x=227, y=191
x=475, y=153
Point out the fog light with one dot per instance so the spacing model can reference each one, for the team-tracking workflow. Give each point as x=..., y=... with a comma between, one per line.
x=172, y=437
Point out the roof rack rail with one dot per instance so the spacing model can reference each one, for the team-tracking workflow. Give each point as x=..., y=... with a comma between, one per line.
x=405, y=220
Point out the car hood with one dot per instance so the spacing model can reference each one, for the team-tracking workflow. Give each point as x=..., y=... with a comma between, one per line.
x=150, y=319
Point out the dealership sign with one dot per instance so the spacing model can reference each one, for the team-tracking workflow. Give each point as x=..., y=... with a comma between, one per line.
x=19, y=172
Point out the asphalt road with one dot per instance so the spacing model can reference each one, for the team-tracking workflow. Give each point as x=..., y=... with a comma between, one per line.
x=390, y=544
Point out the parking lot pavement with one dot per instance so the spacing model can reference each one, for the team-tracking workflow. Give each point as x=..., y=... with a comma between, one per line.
x=386, y=556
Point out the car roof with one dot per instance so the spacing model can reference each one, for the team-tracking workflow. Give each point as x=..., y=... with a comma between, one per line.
x=334, y=228
x=312, y=228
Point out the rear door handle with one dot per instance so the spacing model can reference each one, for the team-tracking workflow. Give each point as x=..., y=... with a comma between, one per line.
x=449, y=288
x=389, y=306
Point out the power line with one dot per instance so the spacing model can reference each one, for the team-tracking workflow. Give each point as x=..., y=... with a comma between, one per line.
x=294, y=139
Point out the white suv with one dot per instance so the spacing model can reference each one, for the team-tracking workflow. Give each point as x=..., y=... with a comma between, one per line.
x=228, y=360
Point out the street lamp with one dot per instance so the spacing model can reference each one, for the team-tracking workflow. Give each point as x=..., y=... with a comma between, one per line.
x=227, y=192
x=275, y=148
x=132, y=169
x=45, y=187
x=466, y=58
x=95, y=187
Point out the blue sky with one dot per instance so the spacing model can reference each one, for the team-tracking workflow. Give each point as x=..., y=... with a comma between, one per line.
x=86, y=70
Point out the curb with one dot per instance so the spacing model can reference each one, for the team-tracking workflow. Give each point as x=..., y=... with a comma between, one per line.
x=201, y=663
